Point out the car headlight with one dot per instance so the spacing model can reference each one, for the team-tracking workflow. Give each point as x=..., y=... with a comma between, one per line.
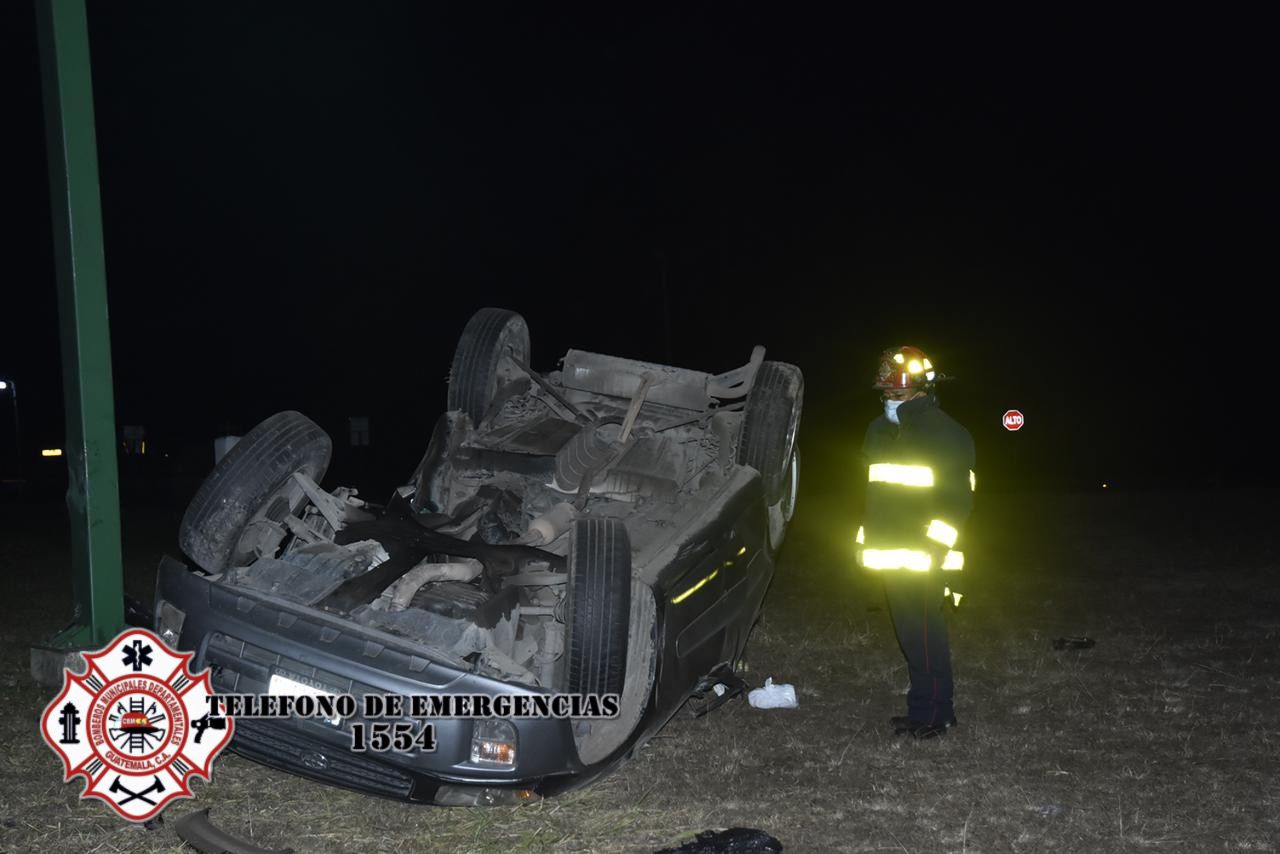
x=169, y=622
x=493, y=744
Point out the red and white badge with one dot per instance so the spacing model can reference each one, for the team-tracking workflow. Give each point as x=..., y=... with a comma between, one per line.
x=136, y=725
x=1013, y=420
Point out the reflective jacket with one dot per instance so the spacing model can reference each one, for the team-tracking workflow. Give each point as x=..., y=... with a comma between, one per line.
x=920, y=483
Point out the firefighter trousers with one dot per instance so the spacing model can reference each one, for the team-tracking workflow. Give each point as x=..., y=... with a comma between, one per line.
x=918, y=610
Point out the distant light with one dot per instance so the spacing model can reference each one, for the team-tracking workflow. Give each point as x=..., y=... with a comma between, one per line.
x=3, y=385
x=1104, y=486
x=51, y=452
x=144, y=447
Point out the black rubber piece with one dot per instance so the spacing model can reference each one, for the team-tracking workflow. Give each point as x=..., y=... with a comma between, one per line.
x=599, y=606
x=775, y=400
x=734, y=840
x=455, y=599
x=199, y=832
x=257, y=468
x=473, y=375
x=705, y=700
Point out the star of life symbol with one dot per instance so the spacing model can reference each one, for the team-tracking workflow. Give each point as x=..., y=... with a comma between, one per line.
x=136, y=725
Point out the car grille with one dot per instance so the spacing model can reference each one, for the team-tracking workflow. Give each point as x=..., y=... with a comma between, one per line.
x=244, y=668
x=279, y=746
x=239, y=667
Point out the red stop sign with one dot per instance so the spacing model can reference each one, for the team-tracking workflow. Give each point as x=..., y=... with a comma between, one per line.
x=1013, y=420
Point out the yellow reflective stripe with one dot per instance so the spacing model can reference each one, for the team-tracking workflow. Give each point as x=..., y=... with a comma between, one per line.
x=862, y=535
x=958, y=596
x=695, y=588
x=973, y=481
x=953, y=560
x=916, y=561
x=943, y=533
x=900, y=474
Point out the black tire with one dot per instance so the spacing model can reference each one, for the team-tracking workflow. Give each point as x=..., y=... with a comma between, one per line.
x=490, y=334
x=780, y=514
x=770, y=425
x=598, y=610
x=791, y=487
x=252, y=483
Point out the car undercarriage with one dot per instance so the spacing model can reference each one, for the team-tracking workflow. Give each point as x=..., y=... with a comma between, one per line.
x=540, y=543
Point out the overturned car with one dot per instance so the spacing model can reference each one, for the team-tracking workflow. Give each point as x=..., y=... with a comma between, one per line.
x=608, y=528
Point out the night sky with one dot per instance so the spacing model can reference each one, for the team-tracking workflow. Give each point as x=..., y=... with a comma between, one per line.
x=303, y=204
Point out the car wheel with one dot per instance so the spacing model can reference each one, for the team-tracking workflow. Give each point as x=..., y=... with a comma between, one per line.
x=792, y=487
x=780, y=514
x=476, y=370
x=770, y=424
x=237, y=514
x=598, y=606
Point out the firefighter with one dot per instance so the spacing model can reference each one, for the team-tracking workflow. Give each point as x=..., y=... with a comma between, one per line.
x=920, y=484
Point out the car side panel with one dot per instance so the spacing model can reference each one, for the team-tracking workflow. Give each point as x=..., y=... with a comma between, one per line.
x=706, y=609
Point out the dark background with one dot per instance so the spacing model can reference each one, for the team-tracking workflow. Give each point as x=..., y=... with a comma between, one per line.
x=303, y=203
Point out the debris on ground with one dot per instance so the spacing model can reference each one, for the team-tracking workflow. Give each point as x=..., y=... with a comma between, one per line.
x=198, y=831
x=771, y=696
x=735, y=840
x=1079, y=642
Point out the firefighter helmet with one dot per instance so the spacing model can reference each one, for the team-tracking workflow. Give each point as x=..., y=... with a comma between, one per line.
x=906, y=367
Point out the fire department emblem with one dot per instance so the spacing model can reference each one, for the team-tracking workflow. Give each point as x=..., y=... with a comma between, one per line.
x=136, y=725
x=885, y=368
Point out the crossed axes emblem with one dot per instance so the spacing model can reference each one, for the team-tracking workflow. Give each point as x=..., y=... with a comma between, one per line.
x=117, y=788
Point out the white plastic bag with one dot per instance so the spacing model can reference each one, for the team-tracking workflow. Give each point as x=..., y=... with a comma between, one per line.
x=773, y=696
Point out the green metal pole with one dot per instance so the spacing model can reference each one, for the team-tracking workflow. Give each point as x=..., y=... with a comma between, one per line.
x=93, y=494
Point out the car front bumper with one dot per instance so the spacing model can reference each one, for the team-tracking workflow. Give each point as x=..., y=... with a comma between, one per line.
x=245, y=637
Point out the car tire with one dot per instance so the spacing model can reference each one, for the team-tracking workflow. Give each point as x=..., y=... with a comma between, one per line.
x=252, y=487
x=780, y=514
x=598, y=606
x=791, y=491
x=475, y=372
x=770, y=424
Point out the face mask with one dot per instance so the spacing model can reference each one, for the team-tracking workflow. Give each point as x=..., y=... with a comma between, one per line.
x=891, y=410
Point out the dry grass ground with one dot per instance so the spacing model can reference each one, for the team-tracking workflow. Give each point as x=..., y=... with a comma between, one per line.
x=1163, y=737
